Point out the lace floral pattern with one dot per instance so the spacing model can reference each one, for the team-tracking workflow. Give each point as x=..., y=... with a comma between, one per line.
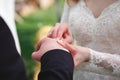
x=107, y=61
x=101, y=35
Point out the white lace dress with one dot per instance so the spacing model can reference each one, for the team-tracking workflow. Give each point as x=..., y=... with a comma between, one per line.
x=101, y=35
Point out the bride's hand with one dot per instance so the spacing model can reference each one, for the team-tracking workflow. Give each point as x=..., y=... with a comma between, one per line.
x=80, y=54
x=61, y=31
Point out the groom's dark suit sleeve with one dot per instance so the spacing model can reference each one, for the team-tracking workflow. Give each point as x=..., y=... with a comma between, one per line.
x=56, y=65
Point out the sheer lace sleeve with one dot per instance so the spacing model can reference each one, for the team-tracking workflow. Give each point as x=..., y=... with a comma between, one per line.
x=103, y=63
x=65, y=14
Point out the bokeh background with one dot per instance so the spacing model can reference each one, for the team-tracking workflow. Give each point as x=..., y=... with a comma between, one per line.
x=33, y=19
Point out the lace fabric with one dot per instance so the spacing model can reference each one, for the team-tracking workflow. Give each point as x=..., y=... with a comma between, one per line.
x=101, y=35
x=106, y=61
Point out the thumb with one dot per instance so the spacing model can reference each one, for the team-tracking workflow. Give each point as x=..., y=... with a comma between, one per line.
x=35, y=55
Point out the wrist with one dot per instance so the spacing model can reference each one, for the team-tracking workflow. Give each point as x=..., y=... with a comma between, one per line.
x=87, y=54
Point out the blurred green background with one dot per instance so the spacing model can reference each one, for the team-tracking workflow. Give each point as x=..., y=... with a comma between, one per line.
x=27, y=30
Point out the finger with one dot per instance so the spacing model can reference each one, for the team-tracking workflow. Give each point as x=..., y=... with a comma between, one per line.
x=38, y=45
x=50, y=32
x=60, y=34
x=67, y=46
x=69, y=35
x=62, y=30
x=64, y=33
x=55, y=31
x=35, y=56
x=68, y=38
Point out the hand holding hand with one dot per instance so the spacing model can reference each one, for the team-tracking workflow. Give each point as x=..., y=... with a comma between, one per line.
x=80, y=54
x=61, y=31
x=45, y=45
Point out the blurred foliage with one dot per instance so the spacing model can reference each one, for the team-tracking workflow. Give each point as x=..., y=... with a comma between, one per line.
x=27, y=34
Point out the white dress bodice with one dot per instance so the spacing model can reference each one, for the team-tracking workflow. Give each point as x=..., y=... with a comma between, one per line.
x=101, y=35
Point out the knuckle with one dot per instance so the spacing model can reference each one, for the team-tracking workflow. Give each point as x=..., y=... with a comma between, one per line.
x=45, y=39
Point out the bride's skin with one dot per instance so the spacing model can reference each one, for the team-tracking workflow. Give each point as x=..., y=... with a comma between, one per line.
x=97, y=6
x=62, y=32
x=80, y=54
x=45, y=45
x=64, y=37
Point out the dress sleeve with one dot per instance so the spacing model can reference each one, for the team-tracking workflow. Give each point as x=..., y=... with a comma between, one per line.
x=65, y=13
x=103, y=63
